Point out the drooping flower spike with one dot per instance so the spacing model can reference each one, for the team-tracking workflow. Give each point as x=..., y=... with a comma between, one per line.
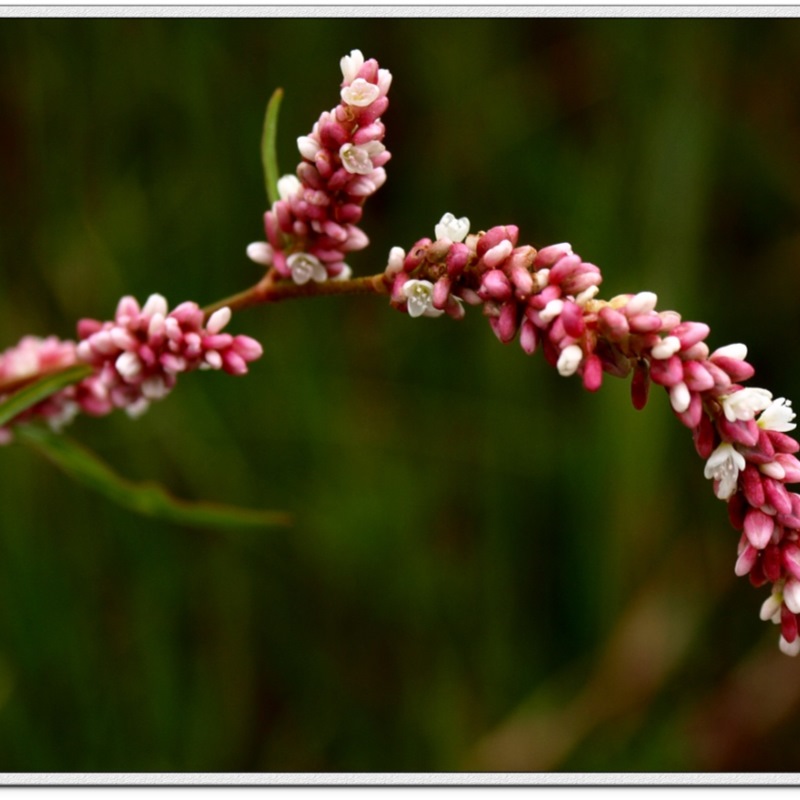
x=548, y=298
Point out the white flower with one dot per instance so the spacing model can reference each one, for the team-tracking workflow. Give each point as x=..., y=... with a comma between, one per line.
x=351, y=65
x=305, y=267
x=260, y=252
x=357, y=158
x=396, y=258
x=666, y=348
x=569, y=360
x=360, y=93
x=128, y=365
x=771, y=607
x=218, y=320
x=288, y=186
x=420, y=299
x=641, y=303
x=449, y=227
x=308, y=147
x=789, y=648
x=778, y=416
x=736, y=351
x=680, y=397
x=745, y=403
x=156, y=304
x=345, y=274
x=723, y=465
x=552, y=310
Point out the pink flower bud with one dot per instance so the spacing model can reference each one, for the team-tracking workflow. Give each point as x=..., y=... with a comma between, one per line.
x=788, y=618
x=640, y=385
x=697, y=377
x=758, y=528
x=505, y=325
x=522, y=280
x=737, y=370
x=746, y=561
x=666, y=372
x=592, y=373
x=548, y=256
x=690, y=333
x=441, y=292
x=777, y=495
x=752, y=486
x=528, y=337
x=494, y=236
x=704, y=437
x=457, y=259
x=614, y=324
x=572, y=319
x=790, y=556
x=495, y=286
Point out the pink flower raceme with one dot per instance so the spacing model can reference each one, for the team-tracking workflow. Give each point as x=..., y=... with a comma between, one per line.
x=138, y=356
x=29, y=360
x=548, y=298
x=313, y=226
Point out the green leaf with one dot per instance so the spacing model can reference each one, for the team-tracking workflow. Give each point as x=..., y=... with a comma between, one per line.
x=34, y=393
x=269, y=156
x=145, y=498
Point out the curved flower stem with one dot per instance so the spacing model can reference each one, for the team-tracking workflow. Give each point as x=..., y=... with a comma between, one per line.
x=272, y=289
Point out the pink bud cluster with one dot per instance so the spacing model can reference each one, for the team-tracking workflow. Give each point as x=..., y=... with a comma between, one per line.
x=139, y=354
x=30, y=359
x=136, y=359
x=548, y=299
x=314, y=225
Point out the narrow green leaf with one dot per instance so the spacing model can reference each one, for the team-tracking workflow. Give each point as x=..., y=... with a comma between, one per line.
x=34, y=393
x=145, y=498
x=269, y=156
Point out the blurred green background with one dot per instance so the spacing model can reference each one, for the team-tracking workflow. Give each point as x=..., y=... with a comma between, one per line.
x=491, y=569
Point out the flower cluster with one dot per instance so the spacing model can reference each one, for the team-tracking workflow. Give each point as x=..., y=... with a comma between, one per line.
x=548, y=299
x=138, y=356
x=314, y=225
x=136, y=359
x=32, y=358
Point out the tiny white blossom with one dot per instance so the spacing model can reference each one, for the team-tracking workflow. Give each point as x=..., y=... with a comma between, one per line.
x=771, y=607
x=156, y=304
x=680, y=397
x=135, y=409
x=778, y=416
x=666, y=348
x=791, y=595
x=585, y=296
x=345, y=274
x=395, y=264
x=305, y=267
x=351, y=64
x=218, y=320
x=745, y=403
x=357, y=158
x=360, y=93
x=420, y=299
x=569, y=360
x=308, y=147
x=552, y=310
x=260, y=252
x=789, y=648
x=288, y=186
x=641, y=303
x=723, y=465
x=737, y=351
x=128, y=365
x=449, y=227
